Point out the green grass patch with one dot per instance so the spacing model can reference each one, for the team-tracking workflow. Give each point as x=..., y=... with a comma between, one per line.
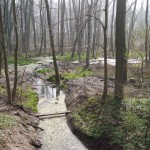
x=136, y=54
x=67, y=56
x=46, y=70
x=78, y=73
x=32, y=100
x=2, y=89
x=7, y=121
x=97, y=119
x=51, y=78
x=22, y=61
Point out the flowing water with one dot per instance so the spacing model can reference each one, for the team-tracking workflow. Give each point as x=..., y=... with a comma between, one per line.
x=56, y=134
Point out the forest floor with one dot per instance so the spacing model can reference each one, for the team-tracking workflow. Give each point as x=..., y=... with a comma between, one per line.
x=18, y=125
x=83, y=88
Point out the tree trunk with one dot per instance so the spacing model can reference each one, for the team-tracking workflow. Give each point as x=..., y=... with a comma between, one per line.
x=120, y=49
x=16, y=52
x=105, y=51
x=33, y=24
x=112, y=30
x=89, y=35
x=52, y=43
x=146, y=33
x=2, y=42
x=132, y=26
x=62, y=27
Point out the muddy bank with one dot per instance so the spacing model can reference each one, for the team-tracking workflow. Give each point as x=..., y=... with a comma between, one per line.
x=22, y=135
x=18, y=124
x=79, y=90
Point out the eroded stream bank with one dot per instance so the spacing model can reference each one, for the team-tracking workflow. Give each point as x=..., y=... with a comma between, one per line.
x=56, y=134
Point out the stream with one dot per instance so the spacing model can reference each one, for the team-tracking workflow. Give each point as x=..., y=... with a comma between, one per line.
x=57, y=134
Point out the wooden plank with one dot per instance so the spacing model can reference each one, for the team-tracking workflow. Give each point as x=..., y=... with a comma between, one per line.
x=51, y=117
x=43, y=115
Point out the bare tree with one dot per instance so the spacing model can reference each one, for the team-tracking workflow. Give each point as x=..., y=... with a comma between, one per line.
x=89, y=34
x=2, y=42
x=120, y=49
x=52, y=43
x=62, y=27
x=112, y=30
x=146, y=32
x=16, y=51
x=105, y=50
x=132, y=25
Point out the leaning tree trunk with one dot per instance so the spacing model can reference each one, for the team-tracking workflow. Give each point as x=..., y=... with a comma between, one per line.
x=52, y=42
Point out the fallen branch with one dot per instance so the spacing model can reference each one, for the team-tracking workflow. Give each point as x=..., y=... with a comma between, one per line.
x=43, y=115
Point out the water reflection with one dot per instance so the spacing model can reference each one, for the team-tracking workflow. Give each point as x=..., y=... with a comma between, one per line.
x=46, y=91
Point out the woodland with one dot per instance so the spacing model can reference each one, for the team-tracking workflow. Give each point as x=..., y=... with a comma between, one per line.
x=74, y=74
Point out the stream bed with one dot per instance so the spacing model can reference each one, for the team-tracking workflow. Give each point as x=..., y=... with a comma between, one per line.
x=57, y=134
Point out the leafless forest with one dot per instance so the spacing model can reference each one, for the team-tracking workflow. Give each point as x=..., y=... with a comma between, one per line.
x=95, y=52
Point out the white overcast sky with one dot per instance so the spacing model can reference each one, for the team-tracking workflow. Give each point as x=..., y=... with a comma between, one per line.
x=139, y=2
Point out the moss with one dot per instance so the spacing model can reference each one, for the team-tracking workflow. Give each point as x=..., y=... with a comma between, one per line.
x=136, y=54
x=45, y=70
x=22, y=61
x=32, y=100
x=63, y=86
x=67, y=56
x=51, y=78
x=2, y=89
x=7, y=121
x=78, y=73
x=96, y=119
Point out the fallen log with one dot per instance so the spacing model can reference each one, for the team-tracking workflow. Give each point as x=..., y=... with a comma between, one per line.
x=53, y=116
x=44, y=115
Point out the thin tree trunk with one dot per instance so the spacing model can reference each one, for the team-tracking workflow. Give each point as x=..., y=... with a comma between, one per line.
x=58, y=26
x=52, y=43
x=89, y=35
x=41, y=20
x=112, y=30
x=33, y=24
x=16, y=52
x=105, y=51
x=94, y=36
x=2, y=41
x=146, y=34
x=132, y=26
x=62, y=27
